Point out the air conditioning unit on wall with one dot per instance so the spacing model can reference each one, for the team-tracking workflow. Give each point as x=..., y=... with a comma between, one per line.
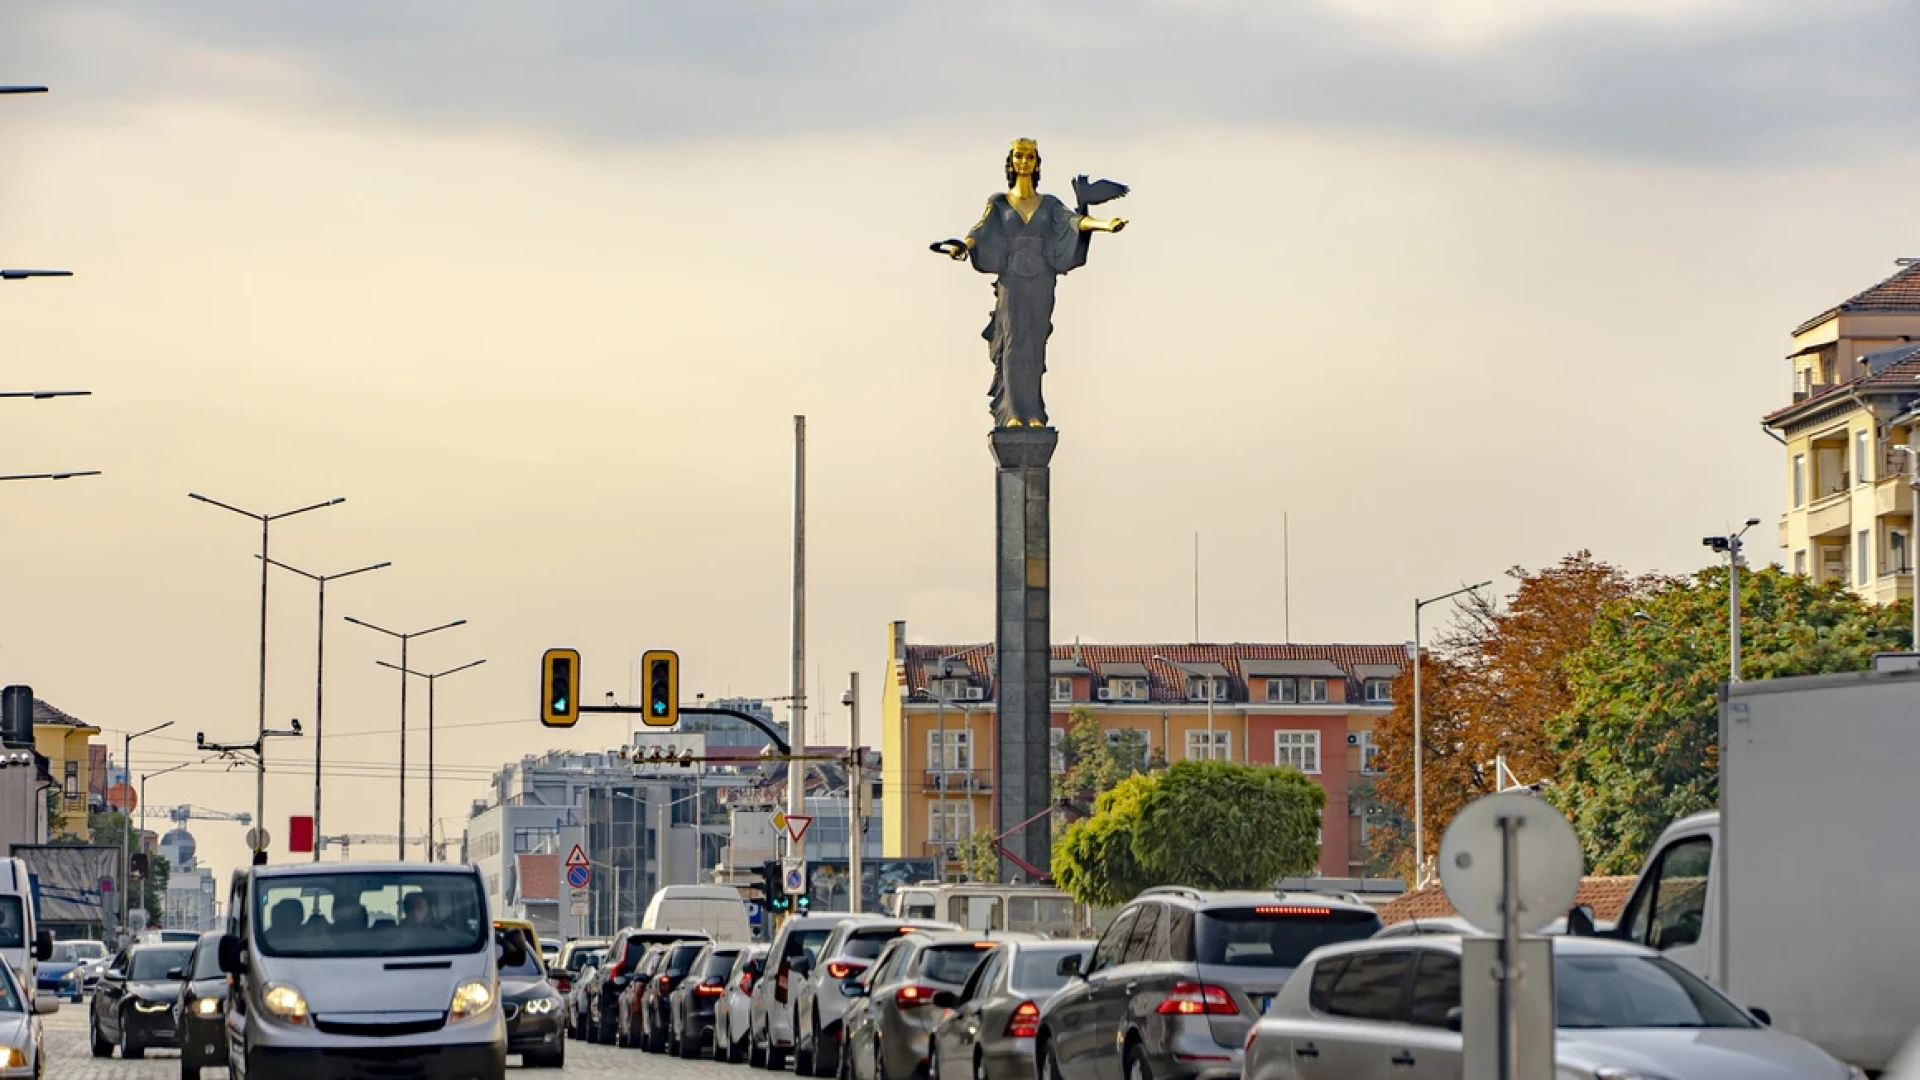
x=1105, y=693
x=1353, y=738
x=975, y=693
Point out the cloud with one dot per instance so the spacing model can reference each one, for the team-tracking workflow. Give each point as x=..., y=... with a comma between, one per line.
x=1690, y=82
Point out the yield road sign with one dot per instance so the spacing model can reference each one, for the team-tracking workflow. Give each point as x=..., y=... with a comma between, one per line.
x=578, y=876
x=797, y=826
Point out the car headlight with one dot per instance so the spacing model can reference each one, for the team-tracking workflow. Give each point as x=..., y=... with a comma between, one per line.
x=206, y=1006
x=471, y=999
x=151, y=1006
x=541, y=1006
x=13, y=1058
x=285, y=1002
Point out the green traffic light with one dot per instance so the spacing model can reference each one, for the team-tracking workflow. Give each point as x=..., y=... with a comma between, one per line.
x=560, y=705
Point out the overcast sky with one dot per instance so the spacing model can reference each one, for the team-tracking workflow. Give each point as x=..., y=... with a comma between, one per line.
x=1452, y=284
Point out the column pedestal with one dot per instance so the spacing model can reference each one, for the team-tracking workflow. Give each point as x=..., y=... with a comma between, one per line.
x=1023, y=644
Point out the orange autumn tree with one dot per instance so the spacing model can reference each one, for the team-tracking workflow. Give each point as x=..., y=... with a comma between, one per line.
x=1489, y=686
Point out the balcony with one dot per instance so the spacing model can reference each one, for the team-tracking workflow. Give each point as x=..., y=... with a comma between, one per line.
x=1831, y=515
x=958, y=781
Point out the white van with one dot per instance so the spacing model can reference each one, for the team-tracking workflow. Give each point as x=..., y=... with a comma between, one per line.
x=716, y=910
x=393, y=963
x=22, y=946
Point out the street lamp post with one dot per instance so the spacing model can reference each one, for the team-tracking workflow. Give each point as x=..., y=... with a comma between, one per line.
x=433, y=679
x=1419, y=744
x=146, y=888
x=320, y=677
x=266, y=521
x=404, y=638
x=1210, y=688
x=47, y=395
x=1730, y=546
x=126, y=822
x=1913, y=537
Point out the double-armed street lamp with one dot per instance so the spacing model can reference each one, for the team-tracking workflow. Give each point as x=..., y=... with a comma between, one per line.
x=320, y=676
x=266, y=521
x=1419, y=746
x=433, y=679
x=404, y=639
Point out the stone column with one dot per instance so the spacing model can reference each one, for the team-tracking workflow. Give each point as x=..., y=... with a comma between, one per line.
x=1023, y=643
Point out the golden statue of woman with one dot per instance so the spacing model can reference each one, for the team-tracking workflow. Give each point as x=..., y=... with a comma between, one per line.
x=1028, y=240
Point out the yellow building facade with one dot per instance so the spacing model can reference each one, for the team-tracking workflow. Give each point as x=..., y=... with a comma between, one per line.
x=62, y=740
x=1847, y=435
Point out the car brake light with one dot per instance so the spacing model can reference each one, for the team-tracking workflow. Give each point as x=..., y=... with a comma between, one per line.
x=1290, y=909
x=1198, y=999
x=841, y=969
x=985, y=944
x=746, y=982
x=562, y=985
x=709, y=989
x=909, y=997
x=1024, y=1023
x=780, y=983
x=619, y=967
x=662, y=982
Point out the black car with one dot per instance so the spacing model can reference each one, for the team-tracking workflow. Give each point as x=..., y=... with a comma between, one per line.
x=133, y=1005
x=628, y=947
x=690, y=1007
x=531, y=1006
x=656, y=1033
x=200, y=1012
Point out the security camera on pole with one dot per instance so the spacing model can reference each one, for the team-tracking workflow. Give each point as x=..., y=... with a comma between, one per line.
x=1730, y=546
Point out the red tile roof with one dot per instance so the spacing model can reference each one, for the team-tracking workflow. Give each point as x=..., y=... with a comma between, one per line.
x=1166, y=682
x=539, y=877
x=1895, y=370
x=1901, y=292
x=1607, y=895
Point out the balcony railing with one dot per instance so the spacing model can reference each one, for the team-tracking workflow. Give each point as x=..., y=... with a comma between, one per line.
x=958, y=780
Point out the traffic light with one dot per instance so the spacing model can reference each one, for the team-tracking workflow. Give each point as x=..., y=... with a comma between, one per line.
x=774, y=883
x=560, y=687
x=662, y=670
x=137, y=866
x=803, y=902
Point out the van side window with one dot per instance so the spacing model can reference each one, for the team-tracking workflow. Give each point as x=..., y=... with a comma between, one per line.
x=1671, y=905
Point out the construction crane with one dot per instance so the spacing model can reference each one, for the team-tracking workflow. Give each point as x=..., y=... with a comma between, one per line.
x=345, y=841
x=183, y=814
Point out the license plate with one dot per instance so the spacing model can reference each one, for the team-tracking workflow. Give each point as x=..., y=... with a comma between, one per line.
x=1266, y=1002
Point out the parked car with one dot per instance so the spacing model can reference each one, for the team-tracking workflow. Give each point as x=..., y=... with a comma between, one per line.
x=692, y=1004
x=890, y=1025
x=628, y=1033
x=530, y=1005
x=652, y=1008
x=199, y=1013
x=734, y=1015
x=569, y=970
x=21, y=1037
x=133, y=1006
x=1382, y=1010
x=1177, y=979
x=628, y=947
x=989, y=1030
x=770, y=1023
x=821, y=1002
x=68, y=957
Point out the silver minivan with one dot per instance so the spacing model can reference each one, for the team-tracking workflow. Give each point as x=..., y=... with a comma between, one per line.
x=387, y=967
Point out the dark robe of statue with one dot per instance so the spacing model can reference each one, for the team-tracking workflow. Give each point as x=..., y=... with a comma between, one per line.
x=1028, y=255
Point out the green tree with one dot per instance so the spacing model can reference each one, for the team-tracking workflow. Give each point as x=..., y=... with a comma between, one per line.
x=980, y=858
x=1640, y=742
x=1209, y=824
x=1095, y=761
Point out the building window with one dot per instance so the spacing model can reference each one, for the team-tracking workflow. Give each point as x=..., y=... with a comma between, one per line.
x=1862, y=441
x=1197, y=746
x=950, y=822
x=1056, y=754
x=1313, y=690
x=1300, y=749
x=1896, y=560
x=1133, y=745
x=1127, y=689
x=957, y=754
x=1800, y=562
x=1379, y=691
x=948, y=689
x=1062, y=688
x=1862, y=545
x=1799, y=480
x=1282, y=690
x=1368, y=752
x=72, y=780
x=1198, y=689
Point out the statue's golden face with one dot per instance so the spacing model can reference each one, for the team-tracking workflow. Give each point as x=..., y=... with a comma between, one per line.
x=1026, y=158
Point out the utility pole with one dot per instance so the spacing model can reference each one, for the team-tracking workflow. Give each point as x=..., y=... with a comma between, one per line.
x=856, y=794
x=797, y=707
x=1419, y=748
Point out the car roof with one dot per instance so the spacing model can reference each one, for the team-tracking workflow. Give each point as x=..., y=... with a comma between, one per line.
x=1201, y=899
x=150, y=946
x=1570, y=946
x=314, y=869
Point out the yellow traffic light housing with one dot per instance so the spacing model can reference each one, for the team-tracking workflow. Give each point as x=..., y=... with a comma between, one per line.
x=660, y=674
x=560, y=687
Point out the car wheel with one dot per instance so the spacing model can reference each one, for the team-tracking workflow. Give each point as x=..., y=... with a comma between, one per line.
x=736, y=1048
x=129, y=1050
x=189, y=1066
x=101, y=1047
x=1136, y=1066
x=1049, y=1062
x=933, y=1059
x=805, y=1056
x=979, y=1065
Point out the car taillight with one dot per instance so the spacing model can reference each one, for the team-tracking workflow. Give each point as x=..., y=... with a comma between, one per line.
x=1198, y=999
x=709, y=989
x=662, y=982
x=746, y=982
x=909, y=997
x=780, y=983
x=1024, y=1023
x=619, y=968
x=562, y=984
x=841, y=969
x=1290, y=909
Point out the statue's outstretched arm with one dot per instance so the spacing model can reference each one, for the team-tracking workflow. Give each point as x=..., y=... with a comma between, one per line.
x=1094, y=224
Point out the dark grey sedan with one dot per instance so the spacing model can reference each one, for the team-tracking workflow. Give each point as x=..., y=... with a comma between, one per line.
x=890, y=1021
x=988, y=1033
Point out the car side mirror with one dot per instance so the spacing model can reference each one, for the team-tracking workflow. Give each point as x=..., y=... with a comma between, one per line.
x=1070, y=965
x=176, y=974
x=1453, y=1018
x=854, y=988
x=231, y=960
x=1761, y=1015
x=113, y=974
x=945, y=999
x=43, y=946
x=1580, y=921
x=45, y=1004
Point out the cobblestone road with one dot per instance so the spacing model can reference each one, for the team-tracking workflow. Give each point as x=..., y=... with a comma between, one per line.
x=68, y=1059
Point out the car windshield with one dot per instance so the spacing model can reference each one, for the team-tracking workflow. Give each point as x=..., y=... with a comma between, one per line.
x=1276, y=935
x=581, y=958
x=681, y=958
x=531, y=964
x=719, y=963
x=1037, y=971
x=807, y=942
x=13, y=925
x=1637, y=992
x=867, y=943
x=87, y=950
x=153, y=964
x=382, y=913
x=206, y=964
x=950, y=963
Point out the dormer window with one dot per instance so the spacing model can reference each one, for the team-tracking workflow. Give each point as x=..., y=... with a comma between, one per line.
x=1285, y=691
x=948, y=689
x=1062, y=688
x=1203, y=687
x=1128, y=689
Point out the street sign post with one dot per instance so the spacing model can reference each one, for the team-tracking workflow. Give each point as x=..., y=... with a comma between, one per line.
x=258, y=838
x=579, y=867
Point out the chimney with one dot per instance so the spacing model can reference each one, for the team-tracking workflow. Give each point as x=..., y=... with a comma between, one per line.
x=16, y=717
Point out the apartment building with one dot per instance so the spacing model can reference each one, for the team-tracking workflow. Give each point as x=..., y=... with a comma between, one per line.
x=1847, y=438
x=1310, y=706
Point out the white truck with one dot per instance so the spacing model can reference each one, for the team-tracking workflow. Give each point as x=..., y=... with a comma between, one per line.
x=1799, y=897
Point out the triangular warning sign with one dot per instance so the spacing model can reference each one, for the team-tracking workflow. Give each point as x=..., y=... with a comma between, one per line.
x=797, y=826
x=578, y=857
